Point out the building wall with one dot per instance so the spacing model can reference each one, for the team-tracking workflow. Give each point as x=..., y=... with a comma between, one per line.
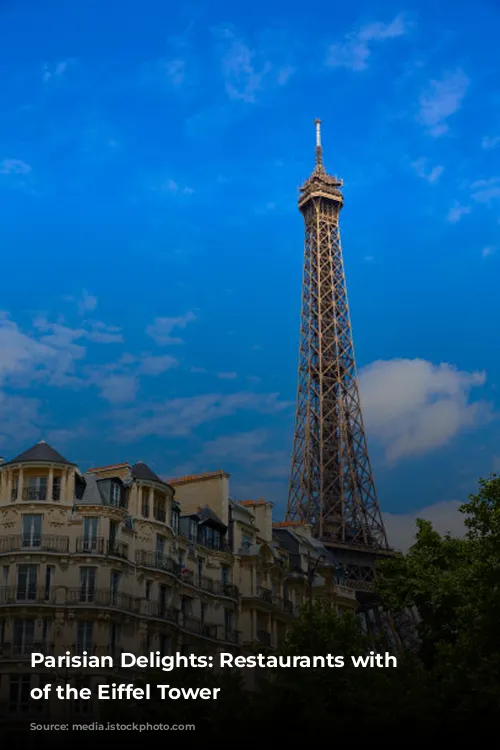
x=119, y=577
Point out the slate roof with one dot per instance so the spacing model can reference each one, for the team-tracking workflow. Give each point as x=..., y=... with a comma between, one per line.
x=140, y=470
x=40, y=453
x=91, y=494
x=207, y=514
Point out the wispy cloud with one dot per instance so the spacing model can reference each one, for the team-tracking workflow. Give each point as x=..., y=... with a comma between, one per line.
x=457, y=212
x=489, y=142
x=173, y=188
x=87, y=303
x=354, y=51
x=161, y=329
x=248, y=71
x=442, y=98
x=484, y=191
x=227, y=375
x=55, y=71
x=487, y=251
x=14, y=167
x=431, y=174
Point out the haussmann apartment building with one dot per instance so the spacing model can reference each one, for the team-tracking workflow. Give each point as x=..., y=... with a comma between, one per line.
x=118, y=559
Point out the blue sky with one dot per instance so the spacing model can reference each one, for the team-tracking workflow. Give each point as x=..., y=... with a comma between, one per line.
x=152, y=247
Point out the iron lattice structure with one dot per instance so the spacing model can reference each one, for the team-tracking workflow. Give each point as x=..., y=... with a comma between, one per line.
x=331, y=484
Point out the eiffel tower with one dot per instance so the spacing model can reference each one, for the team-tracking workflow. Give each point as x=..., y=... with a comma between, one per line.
x=331, y=482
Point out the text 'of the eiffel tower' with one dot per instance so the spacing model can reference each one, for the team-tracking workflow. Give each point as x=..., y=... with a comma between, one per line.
x=331, y=484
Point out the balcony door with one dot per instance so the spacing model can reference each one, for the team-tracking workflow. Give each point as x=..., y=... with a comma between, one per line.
x=90, y=539
x=37, y=488
x=32, y=531
x=26, y=582
x=87, y=584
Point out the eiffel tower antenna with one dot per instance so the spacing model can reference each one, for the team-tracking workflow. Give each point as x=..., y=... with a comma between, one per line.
x=331, y=481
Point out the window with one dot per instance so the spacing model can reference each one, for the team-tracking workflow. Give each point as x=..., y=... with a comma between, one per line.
x=26, y=582
x=114, y=586
x=164, y=644
x=224, y=575
x=174, y=521
x=56, y=489
x=186, y=606
x=147, y=594
x=90, y=529
x=115, y=494
x=114, y=639
x=19, y=693
x=200, y=568
x=203, y=609
x=84, y=633
x=24, y=635
x=45, y=635
x=163, y=600
x=49, y=572
x=5, y=575
x=228, y=621
x=81, y=705
x=193, y=530
x=87, y=584
x=32, y=530
x=246, y=541
x=145, y=504
x=37, y=489
x=160, y=547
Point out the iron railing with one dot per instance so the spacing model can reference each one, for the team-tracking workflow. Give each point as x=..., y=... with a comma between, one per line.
x=34, y=543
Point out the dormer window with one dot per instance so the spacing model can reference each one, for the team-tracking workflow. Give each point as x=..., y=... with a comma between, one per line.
x=115, y=493
x=193, y=530
x=174, y=520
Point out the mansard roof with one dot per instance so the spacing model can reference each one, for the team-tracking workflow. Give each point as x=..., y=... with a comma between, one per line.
x=41, y=452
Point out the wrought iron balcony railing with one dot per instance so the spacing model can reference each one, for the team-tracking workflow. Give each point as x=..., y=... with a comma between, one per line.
x=90, y=545
x=34, y=542
x=93, y=597
x=25, y=594
x=24, y=648
x=157, y=560
x=150, y=608
x=117, y=549
x=218, y=587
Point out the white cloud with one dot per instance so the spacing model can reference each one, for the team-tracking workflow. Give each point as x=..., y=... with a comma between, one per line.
x=431, y=174
x=14, y=167
x=484, y=191
x=442, y=99
x=354, y=51
x=151, y=365
x=489, y=142
x=227, y=375
x=414, y=406
x=456, y=212
x=161, y=328
x=87, y=303
x=118, y=389
x=445, y=517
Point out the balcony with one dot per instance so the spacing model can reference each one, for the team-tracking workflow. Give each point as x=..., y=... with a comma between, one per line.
x=231, y=636
x=265, y=595
x=187, y=576
x=160, y=611
x=37, y=494
x=157, y=560
x=218, y=588
x=193, y=625
x=88, y=596
x=25, y=595
x=33, y=543
x=285, y=605
x=117, y=549
x=90, y=546
x=24, y=648
x=264, y=637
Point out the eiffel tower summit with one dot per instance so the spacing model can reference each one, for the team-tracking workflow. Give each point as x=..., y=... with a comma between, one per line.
x=331, y=482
